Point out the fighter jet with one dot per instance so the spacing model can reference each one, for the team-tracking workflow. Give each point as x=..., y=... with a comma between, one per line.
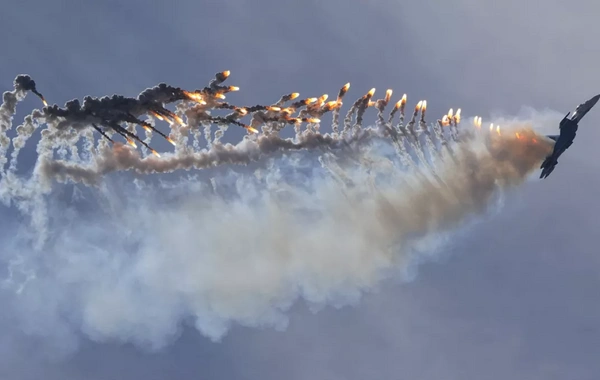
x=568, y=130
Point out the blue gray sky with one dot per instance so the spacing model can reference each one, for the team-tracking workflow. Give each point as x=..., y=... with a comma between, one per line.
x=514, y=297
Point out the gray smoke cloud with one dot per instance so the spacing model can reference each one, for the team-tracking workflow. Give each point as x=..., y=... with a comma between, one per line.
x=138, y=246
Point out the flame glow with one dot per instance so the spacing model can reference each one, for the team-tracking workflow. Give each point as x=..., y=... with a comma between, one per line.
x=388, y=95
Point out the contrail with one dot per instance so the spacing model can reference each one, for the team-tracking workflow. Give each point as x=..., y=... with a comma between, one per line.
x=127, y=247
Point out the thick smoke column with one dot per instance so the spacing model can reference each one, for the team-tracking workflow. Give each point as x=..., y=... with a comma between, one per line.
x=233, y=233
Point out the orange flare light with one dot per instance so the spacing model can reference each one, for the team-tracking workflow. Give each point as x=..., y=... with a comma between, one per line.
x=131, y=142
x=250, y=129
x=273, y=108
x=322, y=99
x=234, y=88
x=331, y=104
x=445, y=121
x=424, y=106
x=171, y=141
x=45, y=102
x=226, y=73
x=310, y=100
x=371, y=92
x=294, y=95
x=418, y=106
x=403, y=100
x=388, y=95
x=155, y=153
x=195, y=97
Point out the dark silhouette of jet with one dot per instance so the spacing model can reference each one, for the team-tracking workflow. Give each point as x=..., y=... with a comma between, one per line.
x=568, y=130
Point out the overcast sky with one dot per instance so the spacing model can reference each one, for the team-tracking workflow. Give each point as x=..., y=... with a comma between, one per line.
x=514, y=298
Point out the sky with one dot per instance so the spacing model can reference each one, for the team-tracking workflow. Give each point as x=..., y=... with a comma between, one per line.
x=514, y=297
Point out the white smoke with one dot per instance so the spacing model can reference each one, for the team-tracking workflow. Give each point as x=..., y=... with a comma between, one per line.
x=320, y=218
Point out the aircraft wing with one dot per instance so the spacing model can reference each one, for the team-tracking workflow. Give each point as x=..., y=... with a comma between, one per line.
x=553, y=137
x=584, y=108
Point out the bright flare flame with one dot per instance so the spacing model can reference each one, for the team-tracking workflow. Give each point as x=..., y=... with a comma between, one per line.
x=273, y=108
x=332, y=104
x=219, y=95
x=322, y=99
x=132, y=143
x=179, y=120
x=388, y=95
x=195, y=97
x=371, y=92
x=314, y=120
x=171, y=141
x=45, y=102
x=294, y=95
x=155, y=153
x=477, y=121
x=226, y=73
x=310, y=100
x=418, y=106
x=498, y=130
x=424, y=106
x=250, y=129
x=445, y=121
x=403, y=100
x=234, y=88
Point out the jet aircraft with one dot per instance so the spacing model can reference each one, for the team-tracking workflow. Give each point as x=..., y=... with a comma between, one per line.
x=568, y=130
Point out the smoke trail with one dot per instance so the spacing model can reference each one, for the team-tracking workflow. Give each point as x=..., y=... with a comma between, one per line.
x=255, y=227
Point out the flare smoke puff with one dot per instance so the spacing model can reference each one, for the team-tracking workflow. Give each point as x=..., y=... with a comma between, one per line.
x=320, y=216
x=25, y=83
